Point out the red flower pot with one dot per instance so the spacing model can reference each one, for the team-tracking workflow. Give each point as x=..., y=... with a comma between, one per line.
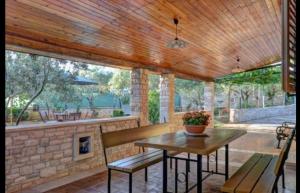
x=195, y=129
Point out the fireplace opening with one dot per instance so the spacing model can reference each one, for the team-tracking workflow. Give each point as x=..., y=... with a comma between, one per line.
x=84, y=145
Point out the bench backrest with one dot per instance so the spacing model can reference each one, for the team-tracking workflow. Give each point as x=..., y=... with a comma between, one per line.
x=114, y=138
x=284, y=153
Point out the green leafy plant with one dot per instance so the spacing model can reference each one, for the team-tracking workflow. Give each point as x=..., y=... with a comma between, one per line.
x=118, y=113
x=153, y=104
x=16, y=112
x=196, y=118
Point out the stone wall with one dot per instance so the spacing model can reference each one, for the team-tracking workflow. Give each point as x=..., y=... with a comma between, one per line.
x=167, y=90
x=36, y=154
x=139, y=94
x=240, y=115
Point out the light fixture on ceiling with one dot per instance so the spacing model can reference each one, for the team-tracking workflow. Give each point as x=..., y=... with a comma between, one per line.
x=237, y=68
x=176, y=43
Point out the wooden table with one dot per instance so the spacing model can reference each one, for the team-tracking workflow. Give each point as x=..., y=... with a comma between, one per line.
x=200, y=145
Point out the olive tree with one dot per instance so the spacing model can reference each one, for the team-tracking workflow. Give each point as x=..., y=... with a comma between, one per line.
x=28, y=75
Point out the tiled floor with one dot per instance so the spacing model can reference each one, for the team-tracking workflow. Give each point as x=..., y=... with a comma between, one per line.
x=98, y=183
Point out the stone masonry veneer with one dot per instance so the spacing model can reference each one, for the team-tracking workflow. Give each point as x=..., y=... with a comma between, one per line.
x=167, y=90
x=139, y=94
x=37, y=154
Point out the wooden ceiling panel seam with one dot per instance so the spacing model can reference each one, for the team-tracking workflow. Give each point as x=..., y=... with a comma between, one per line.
x=103, y=29
x=73, y=34
x=253, y=45
x=264, y=10
x=258, y=50
x=235, y=22
x=145, y=65
x=189, y=41
x=105, y=59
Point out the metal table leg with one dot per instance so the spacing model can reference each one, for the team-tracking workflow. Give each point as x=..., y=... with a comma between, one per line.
x=199, y=173
x=176, y=175
x=216, y=160
x=226, y=162
x=165, y=172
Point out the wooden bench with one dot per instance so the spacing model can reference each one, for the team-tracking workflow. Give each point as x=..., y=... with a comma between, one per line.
x=136, y=162
x=260, y=173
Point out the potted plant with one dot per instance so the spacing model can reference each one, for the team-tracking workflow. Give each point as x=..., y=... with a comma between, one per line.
x=196, y=122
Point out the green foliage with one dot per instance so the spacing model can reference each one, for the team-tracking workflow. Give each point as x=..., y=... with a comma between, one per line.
x=28, y=75
x=153, y=106
x=153, y=81
x=196, y=118
x=16, y=111
x=118, y=113
x=240, y=84
x=190, y=90
x=263, y=76
x=119, y=85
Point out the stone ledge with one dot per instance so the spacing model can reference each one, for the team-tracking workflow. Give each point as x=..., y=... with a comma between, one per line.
x=63, y=181
x=65, y=124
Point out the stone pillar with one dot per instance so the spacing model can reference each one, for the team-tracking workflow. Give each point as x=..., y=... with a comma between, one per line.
x=167, y=97
x=209, y=100
x=139, y=95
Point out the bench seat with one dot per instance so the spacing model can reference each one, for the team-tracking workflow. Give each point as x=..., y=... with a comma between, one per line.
x=137, y=162
x=255, y=176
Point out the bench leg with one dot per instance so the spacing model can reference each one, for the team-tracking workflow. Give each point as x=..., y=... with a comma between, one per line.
x=130, y=183
x=108, y=181
x=146, y=174
x=282, y=176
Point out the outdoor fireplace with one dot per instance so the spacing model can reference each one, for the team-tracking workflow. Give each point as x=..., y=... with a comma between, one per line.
x=83, y=146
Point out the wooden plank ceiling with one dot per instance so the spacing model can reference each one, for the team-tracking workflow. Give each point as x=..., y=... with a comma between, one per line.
x=134, y=33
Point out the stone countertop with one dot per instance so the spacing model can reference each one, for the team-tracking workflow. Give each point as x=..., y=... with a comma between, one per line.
x=55, y=124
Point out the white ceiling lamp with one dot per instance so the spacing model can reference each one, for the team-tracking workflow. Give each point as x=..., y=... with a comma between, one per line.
x=176, y=43
x=237, y=68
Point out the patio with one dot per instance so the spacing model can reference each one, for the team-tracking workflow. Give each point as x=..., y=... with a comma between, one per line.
x=97, y=183
x=215, y=39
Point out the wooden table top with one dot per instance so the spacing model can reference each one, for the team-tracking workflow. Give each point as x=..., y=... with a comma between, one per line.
x=181, y=142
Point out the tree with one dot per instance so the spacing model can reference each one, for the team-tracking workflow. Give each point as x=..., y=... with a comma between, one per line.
x=153, y=102
x=119, y=85
x=260, y=77
x=153, y=98
x=31, y=73
x=192, y=91
x=99, y=74
x=271, y=92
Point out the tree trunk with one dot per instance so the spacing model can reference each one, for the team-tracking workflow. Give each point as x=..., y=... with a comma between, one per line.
x=34, y=96
x=120, y=103
x=6, y=108
x=29, y=102
x=229, y=98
